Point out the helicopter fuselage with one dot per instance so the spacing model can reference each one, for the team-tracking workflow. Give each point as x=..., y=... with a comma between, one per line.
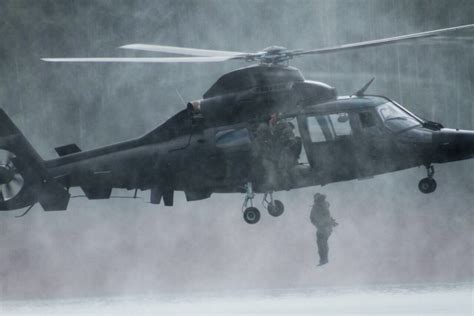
x=344, y=139
x=209, y=147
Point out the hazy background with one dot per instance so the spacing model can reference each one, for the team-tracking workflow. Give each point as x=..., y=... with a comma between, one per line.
x=389, y=232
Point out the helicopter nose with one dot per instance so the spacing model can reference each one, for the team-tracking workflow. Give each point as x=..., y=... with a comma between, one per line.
x=454, y=144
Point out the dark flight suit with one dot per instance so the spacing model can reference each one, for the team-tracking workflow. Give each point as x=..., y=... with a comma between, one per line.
x=321, y=218
x=264, y=152
x=285, y=151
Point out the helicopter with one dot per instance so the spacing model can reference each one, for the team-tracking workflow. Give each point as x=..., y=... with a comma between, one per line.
x=209, y=146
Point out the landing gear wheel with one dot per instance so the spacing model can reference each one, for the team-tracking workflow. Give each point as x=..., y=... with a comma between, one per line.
x=427, y=185
x=276, y=208
x=251, y=215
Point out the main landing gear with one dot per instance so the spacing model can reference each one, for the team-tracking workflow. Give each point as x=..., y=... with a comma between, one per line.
x=274, y=207
x=251, y=214
x=428, y=184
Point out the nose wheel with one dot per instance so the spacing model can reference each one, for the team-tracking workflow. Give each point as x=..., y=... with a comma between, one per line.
x=428, y=184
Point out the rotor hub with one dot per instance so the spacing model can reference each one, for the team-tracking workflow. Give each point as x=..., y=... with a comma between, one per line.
x=275, y=50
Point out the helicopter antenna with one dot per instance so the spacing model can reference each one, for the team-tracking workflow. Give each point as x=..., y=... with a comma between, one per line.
x=361, y=92
x=179, y=95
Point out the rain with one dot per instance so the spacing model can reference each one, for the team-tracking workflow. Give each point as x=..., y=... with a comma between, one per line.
x=122, y=255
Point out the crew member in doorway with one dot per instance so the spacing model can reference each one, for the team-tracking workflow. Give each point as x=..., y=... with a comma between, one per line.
x=265, y=154
x=275, y=146
x=321, y=218
x=285, y=147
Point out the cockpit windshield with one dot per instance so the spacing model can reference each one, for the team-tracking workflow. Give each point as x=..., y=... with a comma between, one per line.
x=395, y=118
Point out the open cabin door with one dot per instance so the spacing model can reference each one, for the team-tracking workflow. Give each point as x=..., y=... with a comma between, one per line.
x=233, y=144
x=328, y=141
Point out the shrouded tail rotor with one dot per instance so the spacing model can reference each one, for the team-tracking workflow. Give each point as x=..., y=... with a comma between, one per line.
x=11, y=181
x=24, y=179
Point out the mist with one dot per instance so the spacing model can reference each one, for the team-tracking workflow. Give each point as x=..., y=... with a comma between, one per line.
x=389, y=232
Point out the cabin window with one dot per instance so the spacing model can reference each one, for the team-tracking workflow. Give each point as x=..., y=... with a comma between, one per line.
x=367, y=119
x=330, y=127
x=340, y=124
x=315, y=130
x=232, y=137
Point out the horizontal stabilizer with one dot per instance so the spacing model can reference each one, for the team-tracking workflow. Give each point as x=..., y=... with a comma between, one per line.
x=67, y=150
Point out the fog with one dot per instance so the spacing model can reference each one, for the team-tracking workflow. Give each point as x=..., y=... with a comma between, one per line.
x=378, y=300
x=389, y=232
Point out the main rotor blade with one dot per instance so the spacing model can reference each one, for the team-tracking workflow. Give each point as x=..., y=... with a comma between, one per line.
x=384, y=41
x=182, y=50
x=141, y=59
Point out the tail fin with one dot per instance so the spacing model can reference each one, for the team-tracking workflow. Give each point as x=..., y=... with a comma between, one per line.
x=7, y=128
x=37, y=184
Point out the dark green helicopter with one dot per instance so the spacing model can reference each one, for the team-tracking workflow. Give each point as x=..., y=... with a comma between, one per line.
x=208, y=147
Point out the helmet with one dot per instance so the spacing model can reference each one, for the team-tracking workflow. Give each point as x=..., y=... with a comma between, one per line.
x=319, y=197
x=273, y=119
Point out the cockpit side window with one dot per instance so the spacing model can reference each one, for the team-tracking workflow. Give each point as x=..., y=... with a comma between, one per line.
x=232, y=138
x=395, y=118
